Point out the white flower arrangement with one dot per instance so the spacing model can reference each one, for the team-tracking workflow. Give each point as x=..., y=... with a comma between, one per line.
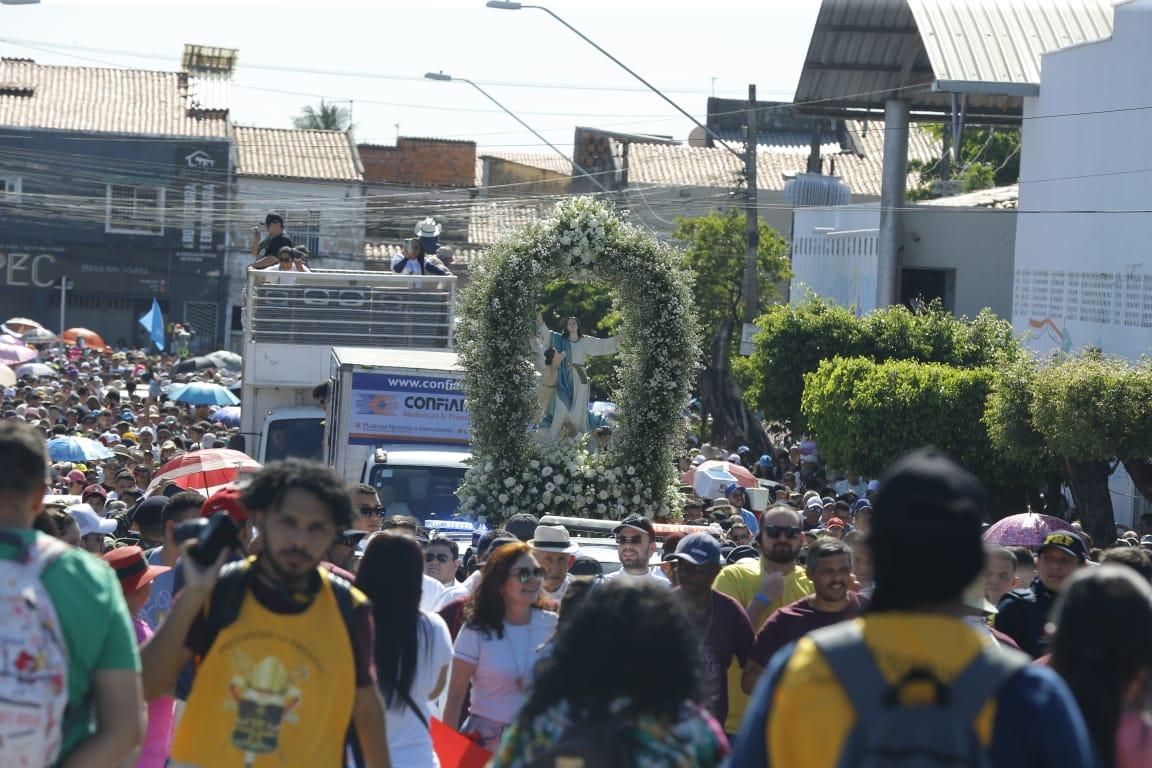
x=584, y=240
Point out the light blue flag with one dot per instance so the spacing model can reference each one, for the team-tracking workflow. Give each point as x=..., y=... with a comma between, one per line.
x=153, y=322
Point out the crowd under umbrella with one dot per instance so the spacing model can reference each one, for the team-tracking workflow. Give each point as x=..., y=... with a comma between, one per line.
x=207, y=471
x=15, y=354
x=1027, y=529
x=202, y=393
x=91, y=339
x=78, y=449
x=37, y=371
x=229, y=416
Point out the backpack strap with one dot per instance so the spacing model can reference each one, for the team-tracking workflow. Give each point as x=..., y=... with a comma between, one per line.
x=41, y=551
x=982, y=678
x=843, y=648
x=227, y=596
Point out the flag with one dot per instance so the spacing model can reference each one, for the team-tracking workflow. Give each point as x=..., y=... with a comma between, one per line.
x=153, y=322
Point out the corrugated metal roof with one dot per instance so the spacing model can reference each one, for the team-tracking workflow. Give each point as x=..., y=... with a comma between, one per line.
x=863, y=52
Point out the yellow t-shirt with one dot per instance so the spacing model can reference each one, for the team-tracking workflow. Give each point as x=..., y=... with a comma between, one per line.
x=945, y=645
x=741, y=581
x=274, y=690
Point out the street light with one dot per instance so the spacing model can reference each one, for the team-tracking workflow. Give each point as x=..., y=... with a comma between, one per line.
x=752, y=227
x=441, y=77
x=19, y=2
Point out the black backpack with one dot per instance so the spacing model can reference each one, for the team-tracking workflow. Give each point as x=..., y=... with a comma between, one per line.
x=889, y=734
x=589, y=744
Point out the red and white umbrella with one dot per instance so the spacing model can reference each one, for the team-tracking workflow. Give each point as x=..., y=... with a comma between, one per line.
x=207, y=470
x=739, y=474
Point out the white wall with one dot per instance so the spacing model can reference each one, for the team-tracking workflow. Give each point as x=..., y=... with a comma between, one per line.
x=1083, y=268
x=834, y=255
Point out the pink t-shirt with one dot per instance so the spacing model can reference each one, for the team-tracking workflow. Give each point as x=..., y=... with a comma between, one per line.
x=158, y=740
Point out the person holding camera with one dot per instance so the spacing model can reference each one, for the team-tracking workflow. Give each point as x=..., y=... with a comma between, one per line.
x=265, y=251
x=273, y=677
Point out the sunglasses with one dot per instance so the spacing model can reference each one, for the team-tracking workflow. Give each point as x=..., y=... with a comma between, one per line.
x=633, y=540
x=525, y=575
x=371, y=511
x=430, y=557
x=774, y=531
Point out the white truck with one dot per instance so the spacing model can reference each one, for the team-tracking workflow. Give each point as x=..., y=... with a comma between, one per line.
x=293, y=320
x=396, y=419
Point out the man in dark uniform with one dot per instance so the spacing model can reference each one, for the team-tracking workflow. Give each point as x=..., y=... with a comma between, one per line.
x=265, y=251
x=1022, y=613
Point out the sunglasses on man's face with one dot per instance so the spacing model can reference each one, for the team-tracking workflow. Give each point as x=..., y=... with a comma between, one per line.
x=633, y=540
x=371, y=511
x=432, y=557
x=525, y=575
x=775, y=531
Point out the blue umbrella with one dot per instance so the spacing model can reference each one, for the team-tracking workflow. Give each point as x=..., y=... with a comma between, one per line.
x=202, y=393
x=229, y=416
x=76, y=449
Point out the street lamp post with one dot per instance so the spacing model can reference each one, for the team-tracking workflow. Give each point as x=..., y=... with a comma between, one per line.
x=748, y=157
x=440, y=76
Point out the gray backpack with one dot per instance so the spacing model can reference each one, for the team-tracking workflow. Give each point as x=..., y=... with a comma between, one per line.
x=889, y=734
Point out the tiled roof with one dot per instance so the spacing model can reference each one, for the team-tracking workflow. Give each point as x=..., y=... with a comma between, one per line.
x=548, y=161
x=996, y=197
x=105, y=100
x=297, y=154
x=662, y=165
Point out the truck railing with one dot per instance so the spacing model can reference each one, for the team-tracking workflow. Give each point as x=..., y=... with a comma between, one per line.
x=350, y=308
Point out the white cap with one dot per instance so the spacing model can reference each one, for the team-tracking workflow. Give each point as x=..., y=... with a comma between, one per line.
x=90, y=522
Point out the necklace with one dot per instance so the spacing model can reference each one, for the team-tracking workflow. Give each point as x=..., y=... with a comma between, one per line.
x=514, y=653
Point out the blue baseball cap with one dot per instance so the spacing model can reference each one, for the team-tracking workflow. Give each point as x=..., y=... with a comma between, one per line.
x=698, y=549
x=765, y=461
x=743, y=450
x=728, y=489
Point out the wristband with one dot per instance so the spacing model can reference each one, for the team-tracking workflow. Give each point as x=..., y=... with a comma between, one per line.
x=762, y=598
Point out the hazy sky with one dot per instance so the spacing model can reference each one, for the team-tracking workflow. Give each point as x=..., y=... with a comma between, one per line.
x=376, y=53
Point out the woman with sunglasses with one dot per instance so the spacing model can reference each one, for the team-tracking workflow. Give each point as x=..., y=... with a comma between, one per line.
x=412, y=648
x=496, y=650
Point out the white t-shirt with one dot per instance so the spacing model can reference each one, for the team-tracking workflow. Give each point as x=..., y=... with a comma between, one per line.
x=654, y=573
x=501, y=662
x=559, y=594
x=461, y=589
x=409, y=742
x=430, y=594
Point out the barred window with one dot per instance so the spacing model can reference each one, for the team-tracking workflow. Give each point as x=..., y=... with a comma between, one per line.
x=134, y=210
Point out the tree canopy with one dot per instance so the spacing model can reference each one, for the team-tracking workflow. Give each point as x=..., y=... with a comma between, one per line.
x=328, y=117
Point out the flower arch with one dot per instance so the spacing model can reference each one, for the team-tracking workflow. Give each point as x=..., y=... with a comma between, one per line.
x=583, y=240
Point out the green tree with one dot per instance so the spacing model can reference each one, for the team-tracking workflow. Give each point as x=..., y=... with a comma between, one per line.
x=793, y=340
x=989, y=157
x=328, y=117
x=714, y=248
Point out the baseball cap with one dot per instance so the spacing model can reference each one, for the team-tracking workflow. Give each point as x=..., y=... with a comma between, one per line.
x=150, y=512
x=94, y=490
x=835, y=523
x=522, y=526
x=765, y=461
x=734, y=457
x=814, y=503
x=873, y=485
x=698, y=549
x=226, y=500
x=743, y=450
x=639, y=522
x=491, y=541
x=88, y=521
x=132, y=569
x=728, y=489
x=1065, y=541
x=76, y=476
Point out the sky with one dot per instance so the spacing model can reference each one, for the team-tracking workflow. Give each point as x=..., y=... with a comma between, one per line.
x=372, y=56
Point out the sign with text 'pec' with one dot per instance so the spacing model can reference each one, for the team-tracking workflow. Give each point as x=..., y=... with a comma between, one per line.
x=387, y=408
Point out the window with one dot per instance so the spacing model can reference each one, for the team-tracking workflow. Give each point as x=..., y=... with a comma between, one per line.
x=10, y=189
x=303, y=227
x=134, y=210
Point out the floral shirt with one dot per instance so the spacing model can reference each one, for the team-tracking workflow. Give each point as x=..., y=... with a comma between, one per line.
x=693, y=740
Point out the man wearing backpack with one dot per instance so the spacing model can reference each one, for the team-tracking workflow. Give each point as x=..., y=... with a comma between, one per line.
x=276, y=679
x=912, y=683
x=69, y=670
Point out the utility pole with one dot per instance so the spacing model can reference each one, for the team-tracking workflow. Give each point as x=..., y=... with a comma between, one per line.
x=752, y=223
x=65, y=285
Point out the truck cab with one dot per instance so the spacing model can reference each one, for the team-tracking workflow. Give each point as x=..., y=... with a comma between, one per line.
x=422, y=478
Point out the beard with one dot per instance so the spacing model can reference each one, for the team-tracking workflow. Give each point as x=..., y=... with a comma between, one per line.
x=782, y=553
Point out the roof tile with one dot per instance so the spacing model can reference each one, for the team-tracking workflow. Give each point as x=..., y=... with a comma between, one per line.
x=297, y=154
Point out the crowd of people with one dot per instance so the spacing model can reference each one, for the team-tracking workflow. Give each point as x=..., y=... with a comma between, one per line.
x=292, y=619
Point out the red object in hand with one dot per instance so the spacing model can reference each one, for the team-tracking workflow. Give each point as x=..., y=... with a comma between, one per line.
x=455, y=750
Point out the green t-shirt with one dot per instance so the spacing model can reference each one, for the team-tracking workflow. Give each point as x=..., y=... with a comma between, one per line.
x=96, y=627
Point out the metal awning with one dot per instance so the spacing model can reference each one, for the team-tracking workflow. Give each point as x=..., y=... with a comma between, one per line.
x=864, y=52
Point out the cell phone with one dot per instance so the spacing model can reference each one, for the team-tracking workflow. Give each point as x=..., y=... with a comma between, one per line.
x=189, y=529
x=219, y=535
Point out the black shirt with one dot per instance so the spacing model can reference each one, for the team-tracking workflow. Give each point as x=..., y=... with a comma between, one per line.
x=272, y=246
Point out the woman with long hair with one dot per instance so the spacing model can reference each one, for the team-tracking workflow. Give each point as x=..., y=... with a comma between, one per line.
x=497, y=649
x=1102, y=647
x=412, y=649
x=625, y=668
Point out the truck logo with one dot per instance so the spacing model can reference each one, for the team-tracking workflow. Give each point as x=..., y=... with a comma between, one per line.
x=376, y=405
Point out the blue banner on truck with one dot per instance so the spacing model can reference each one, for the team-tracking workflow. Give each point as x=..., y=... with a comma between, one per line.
x=387, y=408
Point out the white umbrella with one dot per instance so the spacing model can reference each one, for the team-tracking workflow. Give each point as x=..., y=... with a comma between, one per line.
x=7, y=376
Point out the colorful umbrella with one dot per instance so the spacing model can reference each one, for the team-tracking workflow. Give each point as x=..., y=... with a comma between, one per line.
x=202, y=393
x=1024, y=530
x=91, y=339
x=38, y=336
x=15, y=354
x=37, y=370
x=206, y=470
x=18, y=325
x=7, y=338
x=77, y=449
x=229, y=416
x=738, y=473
